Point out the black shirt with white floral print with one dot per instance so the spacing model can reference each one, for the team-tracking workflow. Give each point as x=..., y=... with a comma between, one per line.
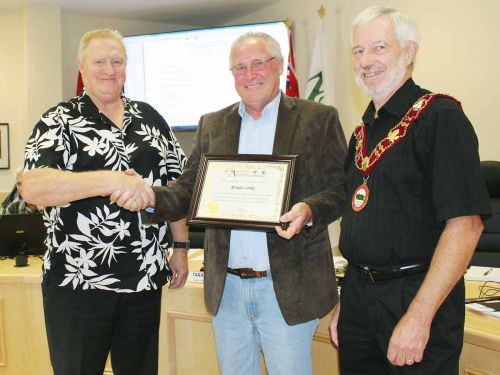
x=92, y=244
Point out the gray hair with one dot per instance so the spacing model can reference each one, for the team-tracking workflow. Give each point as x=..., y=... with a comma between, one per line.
x=98, y=34
x=406, y=28
x=273, y=47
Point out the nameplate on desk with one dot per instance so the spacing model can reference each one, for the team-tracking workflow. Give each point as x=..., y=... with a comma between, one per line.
x=196, y=277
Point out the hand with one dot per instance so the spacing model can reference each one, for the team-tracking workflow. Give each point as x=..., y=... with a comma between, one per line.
x=408, y=341
x=297, y=217
x=134, y=193
x=19, y=186
x=117, y=194
x=334, y=324
x=125, y=200
x=179, y=265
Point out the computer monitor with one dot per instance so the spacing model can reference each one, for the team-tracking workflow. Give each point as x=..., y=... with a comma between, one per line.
x=22, y=232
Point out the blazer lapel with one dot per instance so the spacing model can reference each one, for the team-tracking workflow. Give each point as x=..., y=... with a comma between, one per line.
x=231, y=130
x=286, y=126
x=231, y=138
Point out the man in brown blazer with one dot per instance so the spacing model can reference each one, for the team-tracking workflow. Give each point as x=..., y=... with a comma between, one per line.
x=292, y=281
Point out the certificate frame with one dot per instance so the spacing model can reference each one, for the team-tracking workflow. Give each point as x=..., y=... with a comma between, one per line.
x=252, y=174
x=4, y=146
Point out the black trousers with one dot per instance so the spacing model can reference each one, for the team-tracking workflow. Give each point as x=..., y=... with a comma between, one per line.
x=83, y=327
x=370, y=312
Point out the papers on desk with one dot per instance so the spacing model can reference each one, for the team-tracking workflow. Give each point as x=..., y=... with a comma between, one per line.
x=483, y=274
x=197, y=257
x=488, y=308
x=340, y=264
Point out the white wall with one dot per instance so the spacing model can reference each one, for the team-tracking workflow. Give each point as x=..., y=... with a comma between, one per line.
x=12, y=89
x=42, y=51
x=31, y=49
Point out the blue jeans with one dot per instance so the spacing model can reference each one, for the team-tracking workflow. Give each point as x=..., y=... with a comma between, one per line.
x=249, y=320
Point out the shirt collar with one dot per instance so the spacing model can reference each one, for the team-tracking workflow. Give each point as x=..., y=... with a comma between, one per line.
x=89, y=110
x=397, y=105
x=87, y=107
x=269, y=111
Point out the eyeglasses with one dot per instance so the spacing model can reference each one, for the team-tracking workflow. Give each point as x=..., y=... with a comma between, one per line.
x=255, y=66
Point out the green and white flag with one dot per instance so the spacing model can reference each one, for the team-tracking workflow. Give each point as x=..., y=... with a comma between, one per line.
x=317, y=90
x=316, y=87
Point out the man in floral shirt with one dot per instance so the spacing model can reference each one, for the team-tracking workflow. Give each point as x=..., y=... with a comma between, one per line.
x=103, y=269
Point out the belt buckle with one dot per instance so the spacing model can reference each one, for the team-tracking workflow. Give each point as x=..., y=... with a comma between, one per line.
x=366, y=274
x=246, y=273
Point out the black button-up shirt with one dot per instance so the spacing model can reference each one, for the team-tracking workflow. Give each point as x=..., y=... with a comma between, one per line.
x=430, y=176
x=91, y=243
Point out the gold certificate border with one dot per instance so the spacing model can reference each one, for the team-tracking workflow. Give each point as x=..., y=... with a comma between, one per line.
x=245, y=191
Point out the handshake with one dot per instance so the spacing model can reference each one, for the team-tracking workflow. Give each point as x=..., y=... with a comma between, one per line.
x=54, y=187
x=127, y=189
x=133, y=192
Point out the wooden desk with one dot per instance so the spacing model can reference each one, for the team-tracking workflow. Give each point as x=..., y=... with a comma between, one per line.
x=23, y=342
x=481, y=351
x=186, y=340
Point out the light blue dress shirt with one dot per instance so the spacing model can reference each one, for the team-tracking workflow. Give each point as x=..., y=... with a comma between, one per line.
x=247, y=248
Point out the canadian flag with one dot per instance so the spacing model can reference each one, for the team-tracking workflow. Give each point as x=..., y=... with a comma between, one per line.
x=292, y=86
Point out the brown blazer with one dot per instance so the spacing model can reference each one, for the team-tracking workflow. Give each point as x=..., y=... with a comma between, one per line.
x=301, y=268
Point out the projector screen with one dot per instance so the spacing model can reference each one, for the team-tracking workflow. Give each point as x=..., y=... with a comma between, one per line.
x=185, y=74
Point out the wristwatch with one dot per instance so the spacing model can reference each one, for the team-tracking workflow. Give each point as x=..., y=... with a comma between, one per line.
x=181, y=245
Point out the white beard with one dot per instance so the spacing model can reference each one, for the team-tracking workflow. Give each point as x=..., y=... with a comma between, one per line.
x=385, y=89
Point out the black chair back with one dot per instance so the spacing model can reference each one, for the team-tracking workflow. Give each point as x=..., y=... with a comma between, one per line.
x=488, y=248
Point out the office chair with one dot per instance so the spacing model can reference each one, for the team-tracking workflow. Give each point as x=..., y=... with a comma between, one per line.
x=487, y=252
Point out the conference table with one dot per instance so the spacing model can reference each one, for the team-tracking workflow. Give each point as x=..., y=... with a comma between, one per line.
x=186, y=339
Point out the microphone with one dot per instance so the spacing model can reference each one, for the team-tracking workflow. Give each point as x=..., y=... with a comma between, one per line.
x=21, y=257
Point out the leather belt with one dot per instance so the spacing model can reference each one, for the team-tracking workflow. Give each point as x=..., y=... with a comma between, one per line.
x=247, y=273
x=373, y=275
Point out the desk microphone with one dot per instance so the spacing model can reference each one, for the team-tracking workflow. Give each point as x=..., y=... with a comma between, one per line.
x=21, y=257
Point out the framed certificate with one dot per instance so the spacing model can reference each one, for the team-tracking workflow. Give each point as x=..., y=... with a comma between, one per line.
x=245, y=191
x=4, y=146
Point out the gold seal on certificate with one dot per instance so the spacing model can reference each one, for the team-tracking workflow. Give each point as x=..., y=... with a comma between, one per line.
x=246, y=191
